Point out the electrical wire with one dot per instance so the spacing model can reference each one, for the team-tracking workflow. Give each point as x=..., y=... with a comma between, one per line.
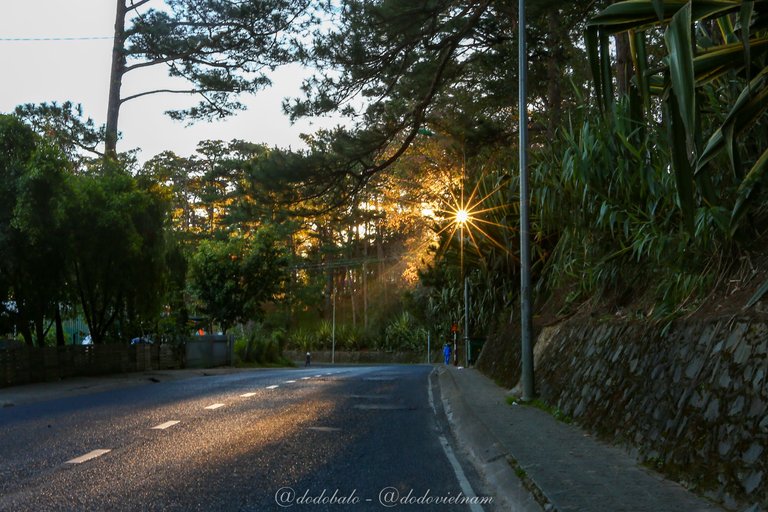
x=35, y=39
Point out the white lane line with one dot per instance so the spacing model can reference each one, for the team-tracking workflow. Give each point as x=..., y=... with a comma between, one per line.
x=290, y=381
x=248, y=395
x=318, y=375
x=466, y=487
x=88, y=456
x=306, y=378
x=325, y=429
x=214, y=406
x=165, y=425
x=275, y=386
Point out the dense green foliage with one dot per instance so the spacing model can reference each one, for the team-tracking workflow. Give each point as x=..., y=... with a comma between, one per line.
x=232, y=278
x=93, y=240
x=34, y=193
x=647, y=143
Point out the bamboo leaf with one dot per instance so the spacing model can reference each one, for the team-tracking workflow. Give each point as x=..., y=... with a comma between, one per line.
x=755, y=176
x=757, y=296
x=732, y=150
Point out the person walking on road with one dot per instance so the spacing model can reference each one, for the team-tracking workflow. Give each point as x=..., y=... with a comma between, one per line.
x=309, y=357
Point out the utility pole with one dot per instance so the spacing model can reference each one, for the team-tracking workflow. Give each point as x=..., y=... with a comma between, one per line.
x=526, y=315
x=333, y=329
x=466, y=322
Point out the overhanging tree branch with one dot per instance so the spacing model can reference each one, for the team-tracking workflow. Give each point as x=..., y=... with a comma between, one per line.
x=221, y=48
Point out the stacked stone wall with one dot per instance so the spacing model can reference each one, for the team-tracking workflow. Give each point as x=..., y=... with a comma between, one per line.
x=690, y=399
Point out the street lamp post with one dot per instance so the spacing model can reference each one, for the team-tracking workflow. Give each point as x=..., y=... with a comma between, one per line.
x=462, y=218
x=466, y=322
x=525, y=256
x=333, y=330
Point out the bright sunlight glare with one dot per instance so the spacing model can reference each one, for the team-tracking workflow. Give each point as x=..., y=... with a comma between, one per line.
x=462, y=216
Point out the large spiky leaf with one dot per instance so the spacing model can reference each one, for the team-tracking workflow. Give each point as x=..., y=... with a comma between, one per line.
x=708, y=66
x=680, y=60
x=727, y=30
x=745, y=16
x=641, y=14
x=606, y=71
x=680, y=163
x=640, y=61
x=593, y=52
x=747, y=186
x=749, y=107
x=712, y=64
x=762, y=290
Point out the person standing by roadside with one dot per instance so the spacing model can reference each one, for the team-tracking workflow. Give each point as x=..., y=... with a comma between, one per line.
x=447, y=353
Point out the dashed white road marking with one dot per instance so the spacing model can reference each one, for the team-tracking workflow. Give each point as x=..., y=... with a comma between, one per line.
x=290, y=381
x=379, y=407
x=318, y=375
x=214, y=406
x=165, y=425
x=325, y=429
x=88, y=456
x=306, y=378
x=274, y=386
x=247, y=395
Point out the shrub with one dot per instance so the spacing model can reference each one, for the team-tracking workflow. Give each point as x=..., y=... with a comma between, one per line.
x=404, y=334
x=258, y=346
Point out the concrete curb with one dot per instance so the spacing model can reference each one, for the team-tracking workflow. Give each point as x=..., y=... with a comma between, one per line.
x=485, y=451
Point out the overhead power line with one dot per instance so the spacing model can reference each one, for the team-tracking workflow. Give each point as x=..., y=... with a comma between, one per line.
x=33, y=39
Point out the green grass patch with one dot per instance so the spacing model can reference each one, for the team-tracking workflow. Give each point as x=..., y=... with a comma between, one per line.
x=555, y=412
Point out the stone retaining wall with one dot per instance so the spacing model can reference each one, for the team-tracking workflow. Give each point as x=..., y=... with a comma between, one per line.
x=691, y=401
x=22, y=364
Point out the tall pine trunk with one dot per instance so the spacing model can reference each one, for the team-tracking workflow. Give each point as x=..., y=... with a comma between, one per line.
x=115, y=80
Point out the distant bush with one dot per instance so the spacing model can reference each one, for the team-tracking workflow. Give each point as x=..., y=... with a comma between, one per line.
x=257, y=346
x=403, y=334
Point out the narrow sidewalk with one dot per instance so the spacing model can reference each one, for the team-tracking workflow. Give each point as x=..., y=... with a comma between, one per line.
x=568, y=470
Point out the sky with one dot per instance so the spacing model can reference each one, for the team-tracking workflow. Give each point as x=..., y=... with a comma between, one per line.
x=37, y=71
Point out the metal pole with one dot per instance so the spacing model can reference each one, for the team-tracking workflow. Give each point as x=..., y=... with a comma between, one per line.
x=525, y=256
x=466, y=322
x=428, y=333
x=455, y=351
x=333, y=330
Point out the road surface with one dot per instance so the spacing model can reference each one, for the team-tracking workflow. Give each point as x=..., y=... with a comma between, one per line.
x=332, y=438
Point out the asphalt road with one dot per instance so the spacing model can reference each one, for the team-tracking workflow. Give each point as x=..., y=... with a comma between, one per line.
x=340, y=438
